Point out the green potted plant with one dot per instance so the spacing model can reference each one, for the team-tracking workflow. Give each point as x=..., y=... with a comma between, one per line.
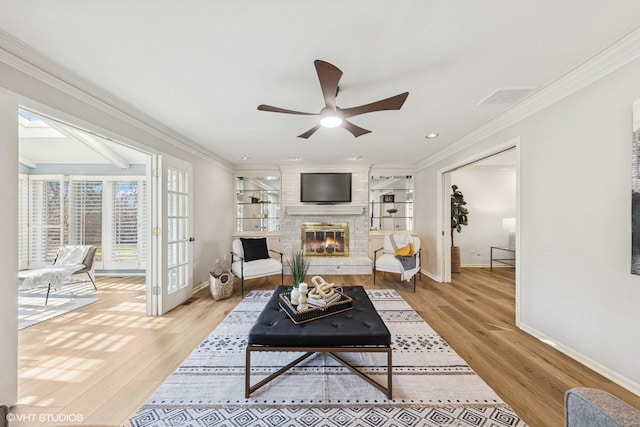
x=299, y=265
x=459, y=218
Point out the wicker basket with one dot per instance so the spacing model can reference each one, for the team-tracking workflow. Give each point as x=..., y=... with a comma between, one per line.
x=220, y=285
x=312, y=313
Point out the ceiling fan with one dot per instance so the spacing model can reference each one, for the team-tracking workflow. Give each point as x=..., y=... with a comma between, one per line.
x=332, y=115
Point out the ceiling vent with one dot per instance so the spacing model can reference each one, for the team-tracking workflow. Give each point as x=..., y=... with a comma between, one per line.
x=507, y=95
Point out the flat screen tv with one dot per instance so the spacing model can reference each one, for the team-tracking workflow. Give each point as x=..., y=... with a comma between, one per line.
x=325, y=187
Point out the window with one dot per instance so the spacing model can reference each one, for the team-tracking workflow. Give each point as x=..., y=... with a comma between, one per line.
x=125, y=225
x=85, y=214
x=106, y=212
x=46, y=226
x=177, y=229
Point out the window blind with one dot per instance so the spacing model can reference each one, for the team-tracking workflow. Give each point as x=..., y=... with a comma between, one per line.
x=124, y=222
x=106, y=212
x=85, y=214
x=46, y=202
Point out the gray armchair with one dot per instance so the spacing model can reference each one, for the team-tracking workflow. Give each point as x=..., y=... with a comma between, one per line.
x=65, y=264
x=588, y=407
x=88, y=265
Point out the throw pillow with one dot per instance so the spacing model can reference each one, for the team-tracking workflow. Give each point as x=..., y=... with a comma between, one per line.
x=405, y=250
x=255, y=249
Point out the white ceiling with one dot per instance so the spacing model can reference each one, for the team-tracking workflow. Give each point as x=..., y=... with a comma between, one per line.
x=202, y=67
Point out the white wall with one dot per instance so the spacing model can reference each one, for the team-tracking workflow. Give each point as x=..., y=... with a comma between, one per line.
x=213, y=217
x=427, y=220
x=9, y=258
x=490, y=194
x=575, y=286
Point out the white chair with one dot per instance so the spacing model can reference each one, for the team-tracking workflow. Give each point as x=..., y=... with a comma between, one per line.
x=385, y=259
x=250, y=259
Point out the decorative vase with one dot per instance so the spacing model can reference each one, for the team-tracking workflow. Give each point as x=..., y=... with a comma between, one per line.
x=295, y=295
x=302, y=298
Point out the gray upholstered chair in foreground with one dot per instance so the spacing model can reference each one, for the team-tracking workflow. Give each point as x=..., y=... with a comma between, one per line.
x=589, y=407
x=250, y=259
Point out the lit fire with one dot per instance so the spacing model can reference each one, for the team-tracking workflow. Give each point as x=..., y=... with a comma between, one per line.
x=324, y=243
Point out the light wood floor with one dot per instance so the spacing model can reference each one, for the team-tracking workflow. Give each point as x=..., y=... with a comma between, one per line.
x=97, y=365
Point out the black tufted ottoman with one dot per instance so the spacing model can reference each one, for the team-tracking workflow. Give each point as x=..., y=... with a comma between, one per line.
x=358, y=330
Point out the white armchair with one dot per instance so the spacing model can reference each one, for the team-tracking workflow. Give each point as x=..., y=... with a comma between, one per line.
x=399, y=254
x=250, y=259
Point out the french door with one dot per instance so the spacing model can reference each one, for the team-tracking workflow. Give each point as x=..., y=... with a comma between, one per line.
x=174, y=233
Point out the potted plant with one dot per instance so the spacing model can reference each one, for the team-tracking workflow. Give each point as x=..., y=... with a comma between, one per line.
x=458, y=218
x=299, y=265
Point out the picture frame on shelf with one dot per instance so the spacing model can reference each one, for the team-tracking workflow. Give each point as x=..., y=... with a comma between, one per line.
x=388, y=198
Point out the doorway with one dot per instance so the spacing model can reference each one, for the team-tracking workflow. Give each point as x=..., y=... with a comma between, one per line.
x=489, y=183
x=77, y=187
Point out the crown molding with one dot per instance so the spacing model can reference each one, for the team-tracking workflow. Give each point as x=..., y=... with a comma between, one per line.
x=29, y=61
x=607, y=61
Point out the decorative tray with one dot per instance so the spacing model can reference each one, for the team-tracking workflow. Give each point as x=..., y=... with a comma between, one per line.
x=314, y=312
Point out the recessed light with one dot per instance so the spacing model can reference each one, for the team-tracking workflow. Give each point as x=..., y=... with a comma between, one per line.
x=432, y=135
x=356, y=158
x=245, y=158
x=293, y=158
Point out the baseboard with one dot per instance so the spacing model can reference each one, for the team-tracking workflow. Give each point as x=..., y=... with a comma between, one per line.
x=430, y=275
x=614, y=376
x=200, y=287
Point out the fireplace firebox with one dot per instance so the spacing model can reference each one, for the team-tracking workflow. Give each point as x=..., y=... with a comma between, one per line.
x=325, y=239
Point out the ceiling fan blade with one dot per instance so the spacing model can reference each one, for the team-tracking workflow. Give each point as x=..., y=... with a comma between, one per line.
x=329, y=76
x=310, y=132
x=355, y=130
x=263, y=107
x=393, y=103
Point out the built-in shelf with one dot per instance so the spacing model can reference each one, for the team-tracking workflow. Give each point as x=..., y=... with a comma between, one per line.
x=325, y=209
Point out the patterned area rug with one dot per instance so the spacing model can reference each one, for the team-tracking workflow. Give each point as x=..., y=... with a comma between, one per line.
x=31, y=308
x=432, y=385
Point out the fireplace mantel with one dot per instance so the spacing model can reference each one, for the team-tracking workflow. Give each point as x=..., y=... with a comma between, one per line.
x=325, y=209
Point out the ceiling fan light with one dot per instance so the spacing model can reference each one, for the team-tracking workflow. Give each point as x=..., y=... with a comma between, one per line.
x=331, y=121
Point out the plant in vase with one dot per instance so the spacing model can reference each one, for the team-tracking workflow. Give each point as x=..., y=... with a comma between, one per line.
x=458, y=218
x=299, y=265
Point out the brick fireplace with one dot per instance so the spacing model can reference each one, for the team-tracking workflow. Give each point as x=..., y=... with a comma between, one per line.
x=346, y=251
